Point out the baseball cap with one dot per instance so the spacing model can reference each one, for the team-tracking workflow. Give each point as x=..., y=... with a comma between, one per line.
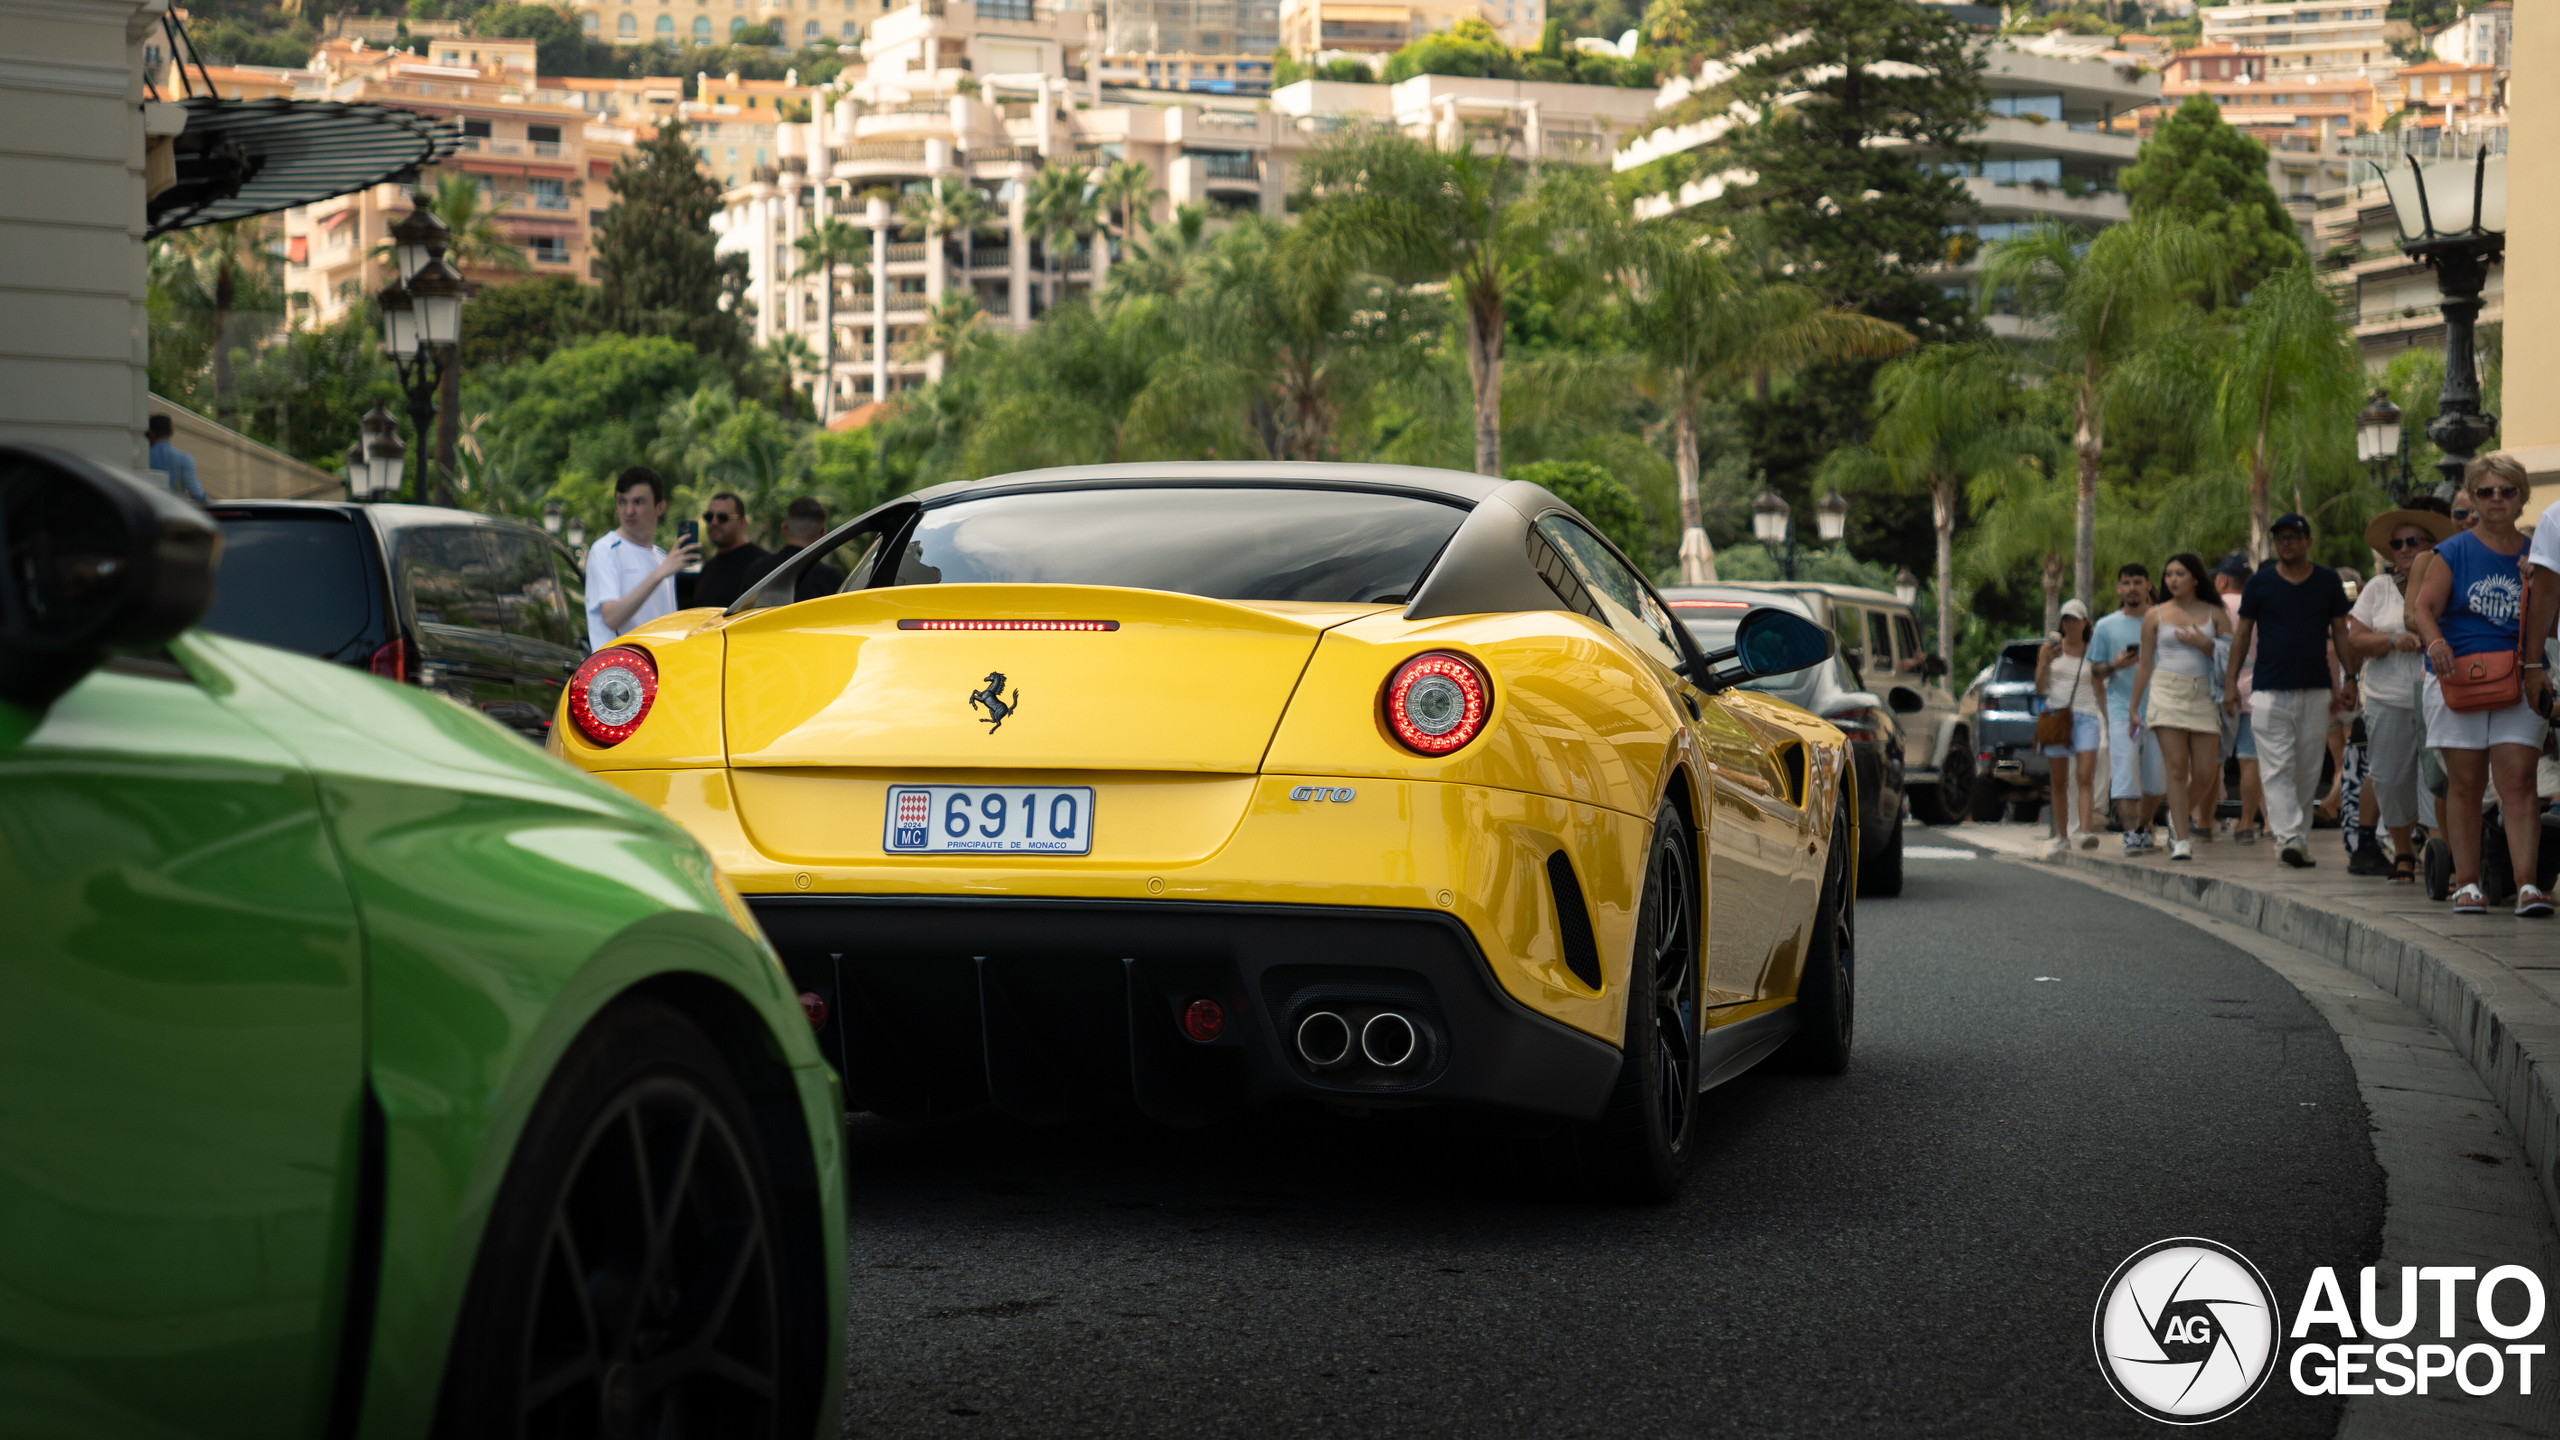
x=2235, y=565
x=2075, y=609
x=2290, y=521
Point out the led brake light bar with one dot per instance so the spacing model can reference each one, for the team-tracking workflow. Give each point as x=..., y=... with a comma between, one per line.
x=1008, y=624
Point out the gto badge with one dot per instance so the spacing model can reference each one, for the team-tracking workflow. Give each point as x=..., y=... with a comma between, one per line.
x=1338, y=794
x=993, y=698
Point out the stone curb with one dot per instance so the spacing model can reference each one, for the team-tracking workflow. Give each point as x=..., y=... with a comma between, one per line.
x=2507, y=1030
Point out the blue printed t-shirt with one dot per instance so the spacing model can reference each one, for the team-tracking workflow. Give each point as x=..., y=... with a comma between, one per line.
x=2485, y=603
x=2113, y=636
x=2292, y=627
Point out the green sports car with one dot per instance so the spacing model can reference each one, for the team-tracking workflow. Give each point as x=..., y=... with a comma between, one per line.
x=363, y=1070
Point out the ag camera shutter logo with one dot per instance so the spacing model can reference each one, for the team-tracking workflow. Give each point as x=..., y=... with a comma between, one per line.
x=2186, y=1330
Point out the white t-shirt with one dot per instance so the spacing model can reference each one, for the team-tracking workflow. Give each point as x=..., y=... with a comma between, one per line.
x=2393, y=679
x=2067, y=681
x=615, y=567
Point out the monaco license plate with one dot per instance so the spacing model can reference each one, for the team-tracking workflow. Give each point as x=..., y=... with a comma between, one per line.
x=990, y=819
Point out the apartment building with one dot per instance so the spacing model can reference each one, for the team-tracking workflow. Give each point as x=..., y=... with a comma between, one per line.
x=1237, y=74
x=733, y=122
x=1312, y=27
x=1203, y=27
x=2050, y=151
x=901, y=132
x=2485, y=35
x=532, y=146
x=2303, y=119
x=701, y=22
x=2446, y=90
x=2320, y=39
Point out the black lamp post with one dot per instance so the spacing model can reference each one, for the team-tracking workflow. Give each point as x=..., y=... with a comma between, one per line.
x=2378, y=446
x=1773, y=524
x=422, y=324
x=2453, y=220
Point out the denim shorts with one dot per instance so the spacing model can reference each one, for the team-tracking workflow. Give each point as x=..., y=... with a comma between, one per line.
x=2084, y=737
x=2246, y=745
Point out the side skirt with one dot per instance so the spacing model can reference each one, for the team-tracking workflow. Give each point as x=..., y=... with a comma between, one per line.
x=1728, y=1050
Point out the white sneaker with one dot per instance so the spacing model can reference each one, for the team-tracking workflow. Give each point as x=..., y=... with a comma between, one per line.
x=2088, y=840
x=2181, y=850
x=2056, y=848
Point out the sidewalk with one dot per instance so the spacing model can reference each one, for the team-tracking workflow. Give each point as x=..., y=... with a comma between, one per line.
x=2490, y=983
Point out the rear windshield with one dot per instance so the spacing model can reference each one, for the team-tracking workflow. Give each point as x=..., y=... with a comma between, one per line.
x=1225, y=544
x=296, y=582
x=2017, y=664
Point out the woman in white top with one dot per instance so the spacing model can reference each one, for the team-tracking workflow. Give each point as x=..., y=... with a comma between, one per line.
x=2063, y=679
x=2173, y=690
x=2378, y=629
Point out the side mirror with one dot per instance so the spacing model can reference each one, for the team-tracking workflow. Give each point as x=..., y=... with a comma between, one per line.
x=90, y=562
x=1932, y=666
x=1773, y=642
x=1905, y=701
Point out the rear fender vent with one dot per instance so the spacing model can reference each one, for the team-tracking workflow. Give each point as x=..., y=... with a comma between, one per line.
x=1573, y=922
x=1791, y=760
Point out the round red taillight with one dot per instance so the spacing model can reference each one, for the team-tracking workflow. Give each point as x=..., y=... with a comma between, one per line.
x=814, y=1005
x=1204, y=1020
x=1437, y=703
x=610, y=695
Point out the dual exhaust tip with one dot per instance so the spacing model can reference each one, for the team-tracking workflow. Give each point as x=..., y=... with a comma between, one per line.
x=1387, y=1040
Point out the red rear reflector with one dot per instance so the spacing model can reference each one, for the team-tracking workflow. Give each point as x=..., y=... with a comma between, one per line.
x=813, y=1005
x=1437, y=702
x=1008, y=624
x=611, y=694
x=1204, y=1020
x=391, y=662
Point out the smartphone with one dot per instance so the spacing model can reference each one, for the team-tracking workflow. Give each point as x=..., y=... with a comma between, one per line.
x=690, y=531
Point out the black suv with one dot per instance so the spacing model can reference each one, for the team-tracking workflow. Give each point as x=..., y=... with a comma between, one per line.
x=487, y=610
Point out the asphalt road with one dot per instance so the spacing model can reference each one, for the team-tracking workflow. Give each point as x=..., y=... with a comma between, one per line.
x=1913, y=1248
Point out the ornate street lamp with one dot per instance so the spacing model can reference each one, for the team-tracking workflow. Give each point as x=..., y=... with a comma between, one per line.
x=551, y=517
x=578, y=539
x=359, y=472
x=2453, y=219
x=2378, y=445
x=422, y=326
x=1906, y=586
x=386, y=456
x=1831, y=517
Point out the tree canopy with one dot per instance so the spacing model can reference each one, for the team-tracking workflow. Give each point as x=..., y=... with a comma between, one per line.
x=2197, y=169
x=662, y=274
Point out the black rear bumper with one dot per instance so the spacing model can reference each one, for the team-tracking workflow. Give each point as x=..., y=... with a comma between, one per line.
x=1059, y=1009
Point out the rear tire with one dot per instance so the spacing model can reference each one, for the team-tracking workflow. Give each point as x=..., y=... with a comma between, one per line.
x=1881, y=876
x=1826, y=995
x=628, y=1281
x=1951, y=798
x=1640, y=1146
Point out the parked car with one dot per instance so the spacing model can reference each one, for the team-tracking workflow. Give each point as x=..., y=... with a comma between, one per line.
x=1880, y=643
x=1193, y=786
x=487, y=610
x=2013, y=779
x=368, y=1071
x=1875, y=729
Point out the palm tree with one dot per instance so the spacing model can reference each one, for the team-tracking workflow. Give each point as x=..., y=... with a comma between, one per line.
x=825, y=245
x=1694, y=327
x=1945, y=421
x=1128, y=195
x=953, y=204
x=2291, y=380
x=1479, y=224
x=2022, y=519
x=789, y=353
x=221, y=269
x=473, y=237
x=948, y=327
x=2093, y=310
x=1060, y=205
x=1164, y=258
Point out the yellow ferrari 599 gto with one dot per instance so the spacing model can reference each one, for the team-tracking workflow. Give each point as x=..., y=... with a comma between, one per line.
x=1199, y=785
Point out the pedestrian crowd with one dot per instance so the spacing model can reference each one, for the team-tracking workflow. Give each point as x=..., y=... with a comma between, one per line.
x=2427, y=689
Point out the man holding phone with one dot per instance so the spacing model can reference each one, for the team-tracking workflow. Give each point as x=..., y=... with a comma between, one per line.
x=630, y=581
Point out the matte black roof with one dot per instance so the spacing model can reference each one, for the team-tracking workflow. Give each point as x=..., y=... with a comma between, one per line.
x=388, y=515
x=1455, y=486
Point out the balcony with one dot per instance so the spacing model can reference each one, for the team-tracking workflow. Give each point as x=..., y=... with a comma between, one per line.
x=2047, y=201
x=861, y=150
x=902, y=251
x=1230, y=167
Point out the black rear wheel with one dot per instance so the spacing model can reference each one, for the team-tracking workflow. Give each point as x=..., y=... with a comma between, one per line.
x=1827, y=992
x=1638, y=1149
x=627, y=1282
x=1951, y=798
